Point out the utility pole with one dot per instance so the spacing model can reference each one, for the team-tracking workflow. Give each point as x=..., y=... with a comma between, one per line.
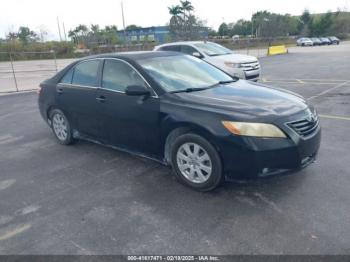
x=64, y=31
x=121, y=3
x=59, y=29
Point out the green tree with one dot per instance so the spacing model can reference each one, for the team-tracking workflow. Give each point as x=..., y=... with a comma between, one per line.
x=132, y=27
x=25, y=35
x=212, y=32
x=183, y=24
x=175, y=21
x=259, y=20
x=187, y=8
x=79, y=34
x=12, y=36
x=241, y=27
x=341, y=24
x=321, y=25
x=223, y=29
x=305, y=23
x=109, y=34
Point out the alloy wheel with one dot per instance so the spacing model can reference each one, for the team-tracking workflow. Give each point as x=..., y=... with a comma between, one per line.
x=60, y=127
x=194, y=162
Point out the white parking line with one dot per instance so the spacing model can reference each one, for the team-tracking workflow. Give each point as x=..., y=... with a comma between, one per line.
x=306, y=80
x=329, y=90
x=299, y=82
x=335, y=117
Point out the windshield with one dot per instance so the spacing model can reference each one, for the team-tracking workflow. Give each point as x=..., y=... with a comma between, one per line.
x=212, y=49
x=175, y=73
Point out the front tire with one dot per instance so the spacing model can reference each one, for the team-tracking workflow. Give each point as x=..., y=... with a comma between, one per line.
x=196, y=162
x=61, y=127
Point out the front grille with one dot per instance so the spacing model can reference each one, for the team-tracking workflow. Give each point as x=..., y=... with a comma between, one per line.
x=251, y=77
x=250, y=66
x=305, y=127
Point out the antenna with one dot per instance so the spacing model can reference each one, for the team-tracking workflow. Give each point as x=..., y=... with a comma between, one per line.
x=64, y=31
x=59, y=29
x=121, y=3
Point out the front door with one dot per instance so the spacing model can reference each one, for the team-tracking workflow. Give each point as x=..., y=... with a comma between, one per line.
x=130, y=122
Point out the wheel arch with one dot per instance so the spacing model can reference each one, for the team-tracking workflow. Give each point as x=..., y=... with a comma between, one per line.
x=53, y=107
x=182, y=128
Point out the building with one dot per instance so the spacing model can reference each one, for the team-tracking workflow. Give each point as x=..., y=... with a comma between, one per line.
x=158, y=34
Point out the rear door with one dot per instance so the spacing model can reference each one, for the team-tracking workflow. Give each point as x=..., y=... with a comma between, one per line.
x=76, y=96
x=131, y=122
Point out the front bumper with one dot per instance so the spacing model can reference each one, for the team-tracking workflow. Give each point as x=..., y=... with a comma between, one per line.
x=251, y=157
x=252, y=75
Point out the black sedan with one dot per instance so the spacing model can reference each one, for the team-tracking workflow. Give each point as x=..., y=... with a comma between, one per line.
x=181, y=111
x=325, y=41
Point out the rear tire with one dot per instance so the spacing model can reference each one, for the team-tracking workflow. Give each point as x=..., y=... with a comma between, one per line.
x=196, y=163
x=61, y=127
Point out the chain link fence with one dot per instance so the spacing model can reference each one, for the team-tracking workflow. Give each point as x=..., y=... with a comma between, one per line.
x=23, y=71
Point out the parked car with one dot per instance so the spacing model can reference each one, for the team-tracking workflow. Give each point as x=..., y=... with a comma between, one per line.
x=304, y=42
x=237, y=65
x=334, y=40
x=325, y=41
x=181, y=111
x=316, y=41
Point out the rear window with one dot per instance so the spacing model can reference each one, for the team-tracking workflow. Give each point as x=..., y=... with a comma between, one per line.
x=85, y=73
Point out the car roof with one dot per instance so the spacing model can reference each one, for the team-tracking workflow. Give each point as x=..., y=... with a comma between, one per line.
x=185, y=43
x=136, y=55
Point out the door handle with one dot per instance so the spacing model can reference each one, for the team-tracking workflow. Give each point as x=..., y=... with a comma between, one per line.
x=59, y=90
x=101, y=99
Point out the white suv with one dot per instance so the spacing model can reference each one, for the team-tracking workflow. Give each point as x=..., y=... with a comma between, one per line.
x=237, y=65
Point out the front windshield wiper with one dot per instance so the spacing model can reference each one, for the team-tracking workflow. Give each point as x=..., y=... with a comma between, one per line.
x=234, y=79
x=188, y=90
x=224, y=82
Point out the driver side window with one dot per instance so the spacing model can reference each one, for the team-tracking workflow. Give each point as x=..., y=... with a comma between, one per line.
x=117, y=75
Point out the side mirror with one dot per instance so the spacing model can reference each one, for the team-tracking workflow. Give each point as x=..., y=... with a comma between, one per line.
x=197, y=54
x=137, y=90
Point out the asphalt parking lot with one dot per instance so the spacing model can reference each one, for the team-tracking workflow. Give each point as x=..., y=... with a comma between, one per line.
x=89, y=199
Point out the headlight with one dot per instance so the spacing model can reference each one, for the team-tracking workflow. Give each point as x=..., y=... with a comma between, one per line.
x=253, y=129
x=234, y=65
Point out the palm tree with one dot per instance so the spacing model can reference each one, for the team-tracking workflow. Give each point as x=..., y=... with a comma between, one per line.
x=175, y=11
x=186, y=6
x=175, y=20
x=12, y=36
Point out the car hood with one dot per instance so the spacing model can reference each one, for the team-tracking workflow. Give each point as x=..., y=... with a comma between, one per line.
x=246, y=100
x=235, y=58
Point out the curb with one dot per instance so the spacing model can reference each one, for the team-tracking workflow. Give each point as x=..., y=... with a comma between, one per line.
x=10, y=93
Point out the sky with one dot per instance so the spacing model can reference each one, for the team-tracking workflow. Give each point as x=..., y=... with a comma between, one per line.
x=42, y=14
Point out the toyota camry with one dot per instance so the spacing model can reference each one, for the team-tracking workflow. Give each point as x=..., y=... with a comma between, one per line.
x=183, y=112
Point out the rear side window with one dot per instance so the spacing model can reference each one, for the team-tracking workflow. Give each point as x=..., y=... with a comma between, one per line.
x=174, y=48
x=117, y=75
x=67, y=78
x=85, y=73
